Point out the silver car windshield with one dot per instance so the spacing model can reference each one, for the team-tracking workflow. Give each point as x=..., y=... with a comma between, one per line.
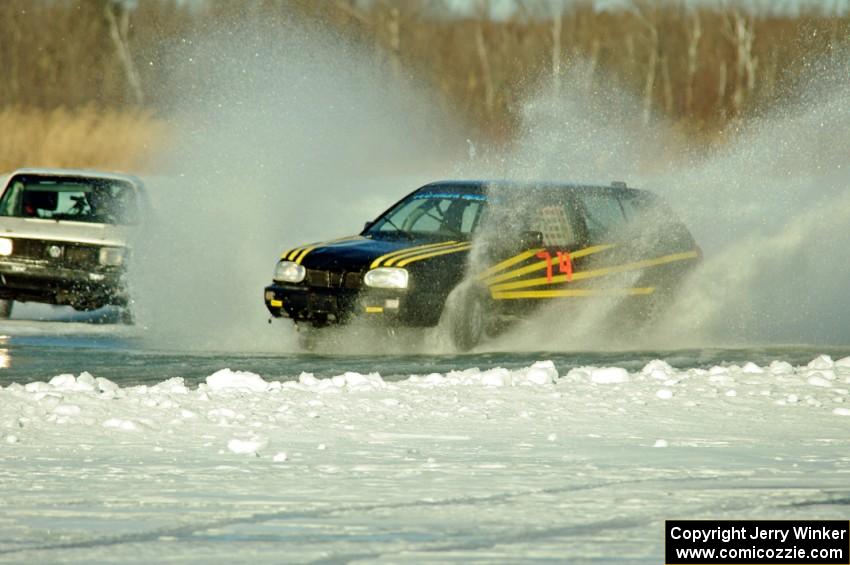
x=78, y=199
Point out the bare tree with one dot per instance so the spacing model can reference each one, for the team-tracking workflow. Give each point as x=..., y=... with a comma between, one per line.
x=694, y=36
x=118, y=17
x=484, y=56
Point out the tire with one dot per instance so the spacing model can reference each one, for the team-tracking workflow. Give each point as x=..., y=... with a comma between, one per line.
x=468, y=316
x=6, y=309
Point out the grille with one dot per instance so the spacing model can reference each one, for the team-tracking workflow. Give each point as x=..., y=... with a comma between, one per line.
x=332, y=279
x=74, y=256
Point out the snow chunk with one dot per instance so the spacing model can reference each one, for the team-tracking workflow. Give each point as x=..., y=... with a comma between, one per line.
x=841, y=411
x=664, y=393
x=105, y=385
x=821, y=362
x=10, y=439
x=660, y=443
x=226, y=379
x=86, y=382
x=817, y=380
x=541, y=373
x=66, y=410
x=780, y=368
x=658, y=369
x=176, y=385
x=280, y=457
x=843, y=363
x=37, y=387
x=119, y=424
x=246, y=446
x=64, y=382
x=752, y=369
x=609, y=375
x=496, y=377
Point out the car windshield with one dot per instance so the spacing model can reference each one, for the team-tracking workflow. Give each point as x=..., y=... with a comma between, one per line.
x=432, y=215
x=100, y=201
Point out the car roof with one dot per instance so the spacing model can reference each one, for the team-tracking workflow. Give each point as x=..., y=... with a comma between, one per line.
x=479, y=186
x=56, y=172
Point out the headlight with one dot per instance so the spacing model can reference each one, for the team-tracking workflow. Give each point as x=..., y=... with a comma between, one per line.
x=287, y=271
x=387, y=277
x=5, y=246
x=111, y=256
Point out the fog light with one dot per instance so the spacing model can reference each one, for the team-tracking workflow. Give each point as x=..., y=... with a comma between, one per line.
x=5, y=246
x=54, y=251
x=269, y=296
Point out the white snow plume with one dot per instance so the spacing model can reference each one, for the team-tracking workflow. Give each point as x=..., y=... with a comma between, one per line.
x=769, y=210
x=589, y=131
x=282, y=138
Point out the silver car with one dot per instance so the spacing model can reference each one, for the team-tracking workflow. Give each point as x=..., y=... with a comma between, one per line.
x=63, y=237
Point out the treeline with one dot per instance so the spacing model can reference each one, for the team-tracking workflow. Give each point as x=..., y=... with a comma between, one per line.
x=703, y=68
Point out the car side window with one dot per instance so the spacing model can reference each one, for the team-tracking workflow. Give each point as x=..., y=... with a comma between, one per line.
x=469, y=218
x=554, y=222
x=603, y=213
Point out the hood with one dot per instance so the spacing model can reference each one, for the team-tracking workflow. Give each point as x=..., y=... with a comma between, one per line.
x=63, y=230
x=360, y=253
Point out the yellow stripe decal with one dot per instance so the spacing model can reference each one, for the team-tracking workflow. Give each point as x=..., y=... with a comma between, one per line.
x=581, y=275
x=508, y=263
x=455, y=249
x=276, y=303
x=287, y=253
x=390, y=258
x=542, y=264
x=374, y=309
x=305, y=249
x=525, y=294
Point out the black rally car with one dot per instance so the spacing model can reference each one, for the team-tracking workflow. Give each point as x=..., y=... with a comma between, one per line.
x=486, y=253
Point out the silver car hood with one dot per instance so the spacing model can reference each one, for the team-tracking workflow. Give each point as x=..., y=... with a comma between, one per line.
x=64, y=230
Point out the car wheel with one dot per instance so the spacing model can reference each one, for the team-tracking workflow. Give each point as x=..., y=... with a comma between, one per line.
x=6, y=308
x=468, y=316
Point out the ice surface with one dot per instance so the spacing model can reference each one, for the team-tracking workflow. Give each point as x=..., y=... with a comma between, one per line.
x=496, y=464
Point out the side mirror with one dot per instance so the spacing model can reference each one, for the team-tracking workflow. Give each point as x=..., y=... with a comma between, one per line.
x=531, y=239
x=368, y=225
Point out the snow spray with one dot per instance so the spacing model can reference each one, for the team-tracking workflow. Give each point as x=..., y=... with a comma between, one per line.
x=281, y=137
x=770, y=209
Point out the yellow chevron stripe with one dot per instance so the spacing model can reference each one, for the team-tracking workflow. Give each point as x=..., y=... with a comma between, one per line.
x=455, y=249
x=542, y=264
x=291, y=254
x=582, y=275
x=508, y=263
x=287, y=253
x=526, y=294
x=420, y=250
x=408, y=250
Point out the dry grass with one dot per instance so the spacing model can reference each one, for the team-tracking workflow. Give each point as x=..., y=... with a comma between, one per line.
x=80, y=138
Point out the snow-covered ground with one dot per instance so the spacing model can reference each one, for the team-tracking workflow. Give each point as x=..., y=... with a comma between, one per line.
x=496, y=465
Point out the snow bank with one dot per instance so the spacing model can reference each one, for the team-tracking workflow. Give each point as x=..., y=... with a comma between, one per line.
x=258, y=444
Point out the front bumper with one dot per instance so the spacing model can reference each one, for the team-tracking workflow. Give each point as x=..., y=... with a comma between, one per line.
x=29, y=281
x=321, y=306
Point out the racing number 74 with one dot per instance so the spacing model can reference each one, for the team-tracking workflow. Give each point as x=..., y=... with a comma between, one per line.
x=565, y=264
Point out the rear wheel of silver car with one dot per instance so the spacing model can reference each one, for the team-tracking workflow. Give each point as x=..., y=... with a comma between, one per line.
x=468, y=315
x=6, y=308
